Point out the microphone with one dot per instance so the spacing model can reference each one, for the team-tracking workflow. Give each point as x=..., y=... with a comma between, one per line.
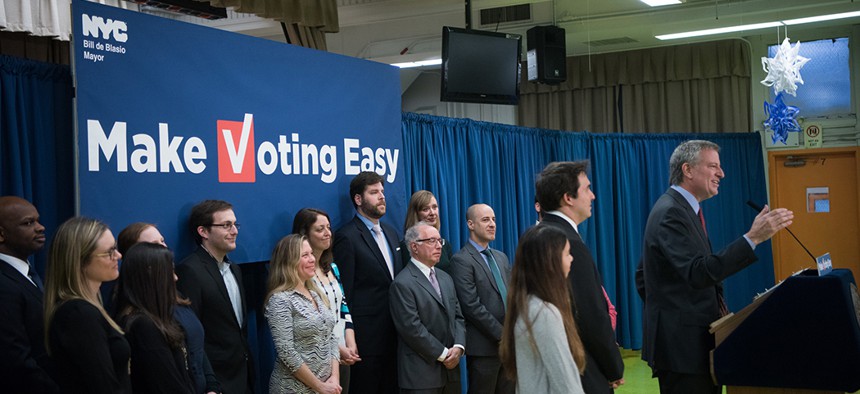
x=758, y=208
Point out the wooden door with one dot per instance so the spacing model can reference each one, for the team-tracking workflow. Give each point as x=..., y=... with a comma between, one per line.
x=810, y=182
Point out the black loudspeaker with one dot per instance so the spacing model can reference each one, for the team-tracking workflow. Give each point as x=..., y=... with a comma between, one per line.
x=546, y=55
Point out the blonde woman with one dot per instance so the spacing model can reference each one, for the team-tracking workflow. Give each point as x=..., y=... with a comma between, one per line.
x=316, y=226
x=423, y=207
x=86, y=345
x=301, y=325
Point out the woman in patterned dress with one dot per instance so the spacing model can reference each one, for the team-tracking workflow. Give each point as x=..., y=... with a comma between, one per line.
x=316, y=226
x=301, y=324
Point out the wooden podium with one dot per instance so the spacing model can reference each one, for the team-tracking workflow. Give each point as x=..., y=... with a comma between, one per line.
x=801, y=336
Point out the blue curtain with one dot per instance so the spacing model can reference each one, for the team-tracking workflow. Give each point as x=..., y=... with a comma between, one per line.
x=464, y=162
x=37, y=139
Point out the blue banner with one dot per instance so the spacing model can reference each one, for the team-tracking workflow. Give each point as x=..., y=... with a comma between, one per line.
x=170, y=114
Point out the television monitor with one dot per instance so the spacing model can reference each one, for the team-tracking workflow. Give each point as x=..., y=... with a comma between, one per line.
x=480, y=66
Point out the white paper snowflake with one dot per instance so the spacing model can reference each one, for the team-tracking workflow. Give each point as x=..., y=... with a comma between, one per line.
x=783, y=71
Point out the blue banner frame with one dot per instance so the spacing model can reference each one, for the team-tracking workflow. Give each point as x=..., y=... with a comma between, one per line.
x=170, y=114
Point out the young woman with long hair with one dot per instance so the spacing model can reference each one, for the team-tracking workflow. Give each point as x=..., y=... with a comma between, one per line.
x=200, y=369
x=146, y=298
x=540, y=347
x=301, y=325
x=87, y=347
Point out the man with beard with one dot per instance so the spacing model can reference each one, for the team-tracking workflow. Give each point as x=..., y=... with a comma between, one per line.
x=22, y=343
x=214, y=286
x=366, y=252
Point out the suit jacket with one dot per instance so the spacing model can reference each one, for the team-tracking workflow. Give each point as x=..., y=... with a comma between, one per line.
x=225, y=341
x=24, y=363
x=90, y=356
x=426, y=325
x=480, y=299
x=603, y=359
x=680, y=277
x=366, y=279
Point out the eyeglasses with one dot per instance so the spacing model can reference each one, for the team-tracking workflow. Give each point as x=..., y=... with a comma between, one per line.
x=226, y=225
x=432, y=241
x=110, y=253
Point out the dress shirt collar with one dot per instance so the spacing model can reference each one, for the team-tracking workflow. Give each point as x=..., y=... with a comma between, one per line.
x=19, y=265
x=366, y=221
x=689, y=197
x=477, y=246
x=563, y=216
x=422, y=267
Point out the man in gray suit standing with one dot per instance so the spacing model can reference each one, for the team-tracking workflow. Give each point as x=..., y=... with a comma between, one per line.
x=430, y=328
x=481, y=277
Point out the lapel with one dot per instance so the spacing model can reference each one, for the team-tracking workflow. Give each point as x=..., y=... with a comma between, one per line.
x=450, y=310
x=367, y=236
x=16, y=276
x=479, y=259
x=691, y=216
x=393, y=244
x=211, y=267
x=424, y=282
x=564, y=226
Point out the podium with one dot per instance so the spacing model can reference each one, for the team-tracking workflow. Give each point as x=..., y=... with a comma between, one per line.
x=801, y=336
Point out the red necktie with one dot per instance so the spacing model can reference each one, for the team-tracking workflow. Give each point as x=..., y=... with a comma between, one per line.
x=702, y=219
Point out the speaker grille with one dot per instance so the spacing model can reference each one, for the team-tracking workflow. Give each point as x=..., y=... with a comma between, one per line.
x=512, y=13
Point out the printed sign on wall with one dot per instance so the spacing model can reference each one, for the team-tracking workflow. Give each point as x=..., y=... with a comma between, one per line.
x=170, y=114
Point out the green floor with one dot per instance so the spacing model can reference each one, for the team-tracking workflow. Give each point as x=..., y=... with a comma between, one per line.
x=637, y=375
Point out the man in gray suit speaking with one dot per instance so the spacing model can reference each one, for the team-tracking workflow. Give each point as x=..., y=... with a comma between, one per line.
x=430, y=328
x=481, y=277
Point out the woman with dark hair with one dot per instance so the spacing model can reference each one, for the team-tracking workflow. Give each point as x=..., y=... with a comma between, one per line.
x=316, y=226
x=146, y=297
x=424, y=208
x=301, y=325
x=540, y=347
x=86, y=346
x=200, y=370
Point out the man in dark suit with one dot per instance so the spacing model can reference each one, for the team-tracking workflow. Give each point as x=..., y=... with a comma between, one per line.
x=430, y=327
x=564, y=193
x=366, y=253
x=23, y=359
x=679, y=277
x=214, y=286
x=481, y=277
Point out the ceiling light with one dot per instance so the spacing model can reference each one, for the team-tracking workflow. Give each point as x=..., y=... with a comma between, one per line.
x=821, y=18
x=755, y=26
x=657, y=3
x=720, y=30
x=422, y=63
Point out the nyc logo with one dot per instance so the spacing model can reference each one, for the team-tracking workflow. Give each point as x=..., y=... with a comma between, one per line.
x=235, y=159
x=98, y=27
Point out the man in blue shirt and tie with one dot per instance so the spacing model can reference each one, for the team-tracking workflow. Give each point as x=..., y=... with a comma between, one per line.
x=481, y=276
